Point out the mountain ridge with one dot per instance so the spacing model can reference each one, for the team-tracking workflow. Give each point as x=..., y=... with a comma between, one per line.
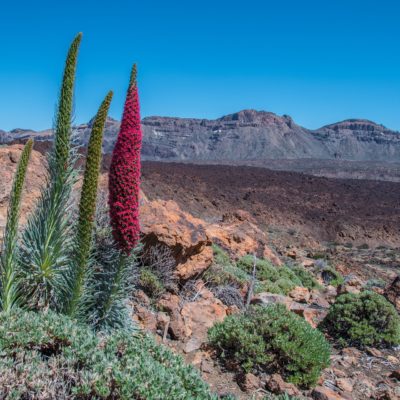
x=244, y=136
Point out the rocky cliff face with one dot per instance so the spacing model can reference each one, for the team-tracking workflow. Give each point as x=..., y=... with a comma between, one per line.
x=245, y=136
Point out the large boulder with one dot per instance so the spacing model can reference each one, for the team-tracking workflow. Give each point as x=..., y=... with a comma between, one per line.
x=239, y=234
x=163, y=222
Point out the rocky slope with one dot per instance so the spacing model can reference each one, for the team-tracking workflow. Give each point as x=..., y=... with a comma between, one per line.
x=244, y=136
x=187, y=208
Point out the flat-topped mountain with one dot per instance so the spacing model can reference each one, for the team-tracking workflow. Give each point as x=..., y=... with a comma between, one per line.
x=248, y=135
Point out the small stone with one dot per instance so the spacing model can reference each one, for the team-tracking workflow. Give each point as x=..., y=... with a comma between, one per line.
x=142, y=298
x=146, y=318
x=324, y=393
x=393, y=360
x=250, y=383
x=345, y=384
x=277, y=385
x=207, y=367
x=300, y=294
x=374, y=352
x=292, y=254
x=14, y=156
x=266, y=298
x=395, y=374
x=339, y=373
x=192, y=345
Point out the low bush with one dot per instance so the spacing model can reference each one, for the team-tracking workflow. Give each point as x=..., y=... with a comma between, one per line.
x=278, y=280
x=159, y=260
x=365, y=319
x=150, y=283
x=221, y=257
x=272, y=339
x=48, y=356
x=332, y=277
x=306, y=278
x=283, y=396
x=222, y=272
x=229, y=295
x=264, y=268
x=267, y=286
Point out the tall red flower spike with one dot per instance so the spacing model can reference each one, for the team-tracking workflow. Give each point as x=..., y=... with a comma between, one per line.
x=124, y=177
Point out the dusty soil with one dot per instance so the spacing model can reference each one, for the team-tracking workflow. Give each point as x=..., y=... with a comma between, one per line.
x=321, y=209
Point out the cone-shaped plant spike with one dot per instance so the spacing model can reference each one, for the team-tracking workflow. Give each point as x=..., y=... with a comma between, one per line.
x=62, y=139
x=87, y=206
x=47, y=239
x=124, y=177
x=8, y=265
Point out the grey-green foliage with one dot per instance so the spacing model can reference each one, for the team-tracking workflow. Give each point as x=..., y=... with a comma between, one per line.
x=9, y=270
x=50, y=356
x=272, y=339
x=112, y=278
x=223, y=271
x=47, y=238
x=150, y=283
x=364, y=319
x=283, y=396
x=331, y=276
x=274, y=279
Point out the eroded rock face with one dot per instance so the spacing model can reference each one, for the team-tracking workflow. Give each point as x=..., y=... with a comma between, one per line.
x=239, y=234
x=186, y=236
x=190, y=238
x=9, y=157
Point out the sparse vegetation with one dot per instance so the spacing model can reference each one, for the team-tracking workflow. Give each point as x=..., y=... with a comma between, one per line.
x=150, y=283
x=279, y=280
x=50, y=356
x=365, y=319
x=272, y=339
x=331, y=276
x=223, y=272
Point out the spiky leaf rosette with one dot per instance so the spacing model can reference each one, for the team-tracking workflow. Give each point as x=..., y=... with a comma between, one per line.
x=9, y=295
x=124, y=177
x=87, y=206
x=46, y=241
x=112, y=280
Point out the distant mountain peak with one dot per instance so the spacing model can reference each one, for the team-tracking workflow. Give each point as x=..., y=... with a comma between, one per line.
x=355, y=124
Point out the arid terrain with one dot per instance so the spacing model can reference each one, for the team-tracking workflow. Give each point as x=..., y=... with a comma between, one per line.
x=321, y=209
x=286, y=217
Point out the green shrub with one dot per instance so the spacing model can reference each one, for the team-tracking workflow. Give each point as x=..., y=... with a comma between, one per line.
x=365, y=319
x=306, y=278
x=49, y=356
x=150, y=283
x=267, y=286
x=279, y=280
x=218, y=275
x=273, y=339
x=283, y=396
x=289, y=274
x=264, y=268
x=286, y=285
x=221, y=257
x=281, y=286
x=332, y=277
x=375, y=283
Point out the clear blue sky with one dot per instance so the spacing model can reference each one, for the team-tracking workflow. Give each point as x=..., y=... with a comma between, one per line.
x=319, y=61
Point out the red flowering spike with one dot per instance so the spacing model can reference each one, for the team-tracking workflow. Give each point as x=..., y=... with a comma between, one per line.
x=124, y=177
